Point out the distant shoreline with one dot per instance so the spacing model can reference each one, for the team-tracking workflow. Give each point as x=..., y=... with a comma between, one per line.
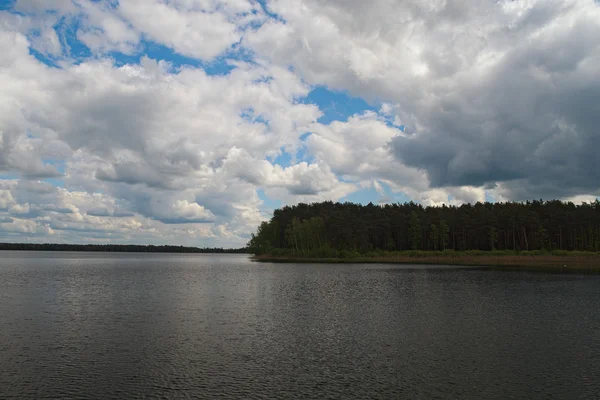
x=570, y=263
x=117, y=248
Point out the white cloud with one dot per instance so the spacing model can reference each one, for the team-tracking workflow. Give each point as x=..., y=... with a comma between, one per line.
x=189, y=210
x=477, y=98
x=196, y=29
x=19, y=209
x=582, y=199
x=492, y=91
x=6, y=199
x=299, y=179
x=153, y=140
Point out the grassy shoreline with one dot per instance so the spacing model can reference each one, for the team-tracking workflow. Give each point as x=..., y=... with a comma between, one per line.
x=576, y=262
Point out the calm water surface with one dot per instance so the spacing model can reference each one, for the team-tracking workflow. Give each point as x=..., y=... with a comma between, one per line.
x=92, y=325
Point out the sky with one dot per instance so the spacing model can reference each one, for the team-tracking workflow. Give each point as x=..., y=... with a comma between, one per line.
x=187, y=122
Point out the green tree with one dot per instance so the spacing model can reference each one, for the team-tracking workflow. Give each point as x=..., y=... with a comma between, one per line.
x=415, y=231
x=533, y=225
x=434, y=236
x=492, y=237
x=543, y=238
x=444, y=232
x=262, y=241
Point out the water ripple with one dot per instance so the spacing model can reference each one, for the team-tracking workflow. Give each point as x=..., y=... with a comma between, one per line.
x=196, y=326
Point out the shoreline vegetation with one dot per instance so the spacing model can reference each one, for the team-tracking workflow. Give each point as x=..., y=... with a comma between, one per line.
x=534, y=234
x=118, y=248
x=574, y=261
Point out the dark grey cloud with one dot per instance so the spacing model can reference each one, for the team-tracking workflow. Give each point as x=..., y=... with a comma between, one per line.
x=549, y=138
x=218, y=203
x=88, y=230
x=41, y=172
x=34, y=192
x=304, y=190
x=32, y=213
x=134, y=173
x=531, y=121
x=488, y=91
x=37, y=187
x=183, y=220
x=60, y=210
x=105, y=212
x=109, y=120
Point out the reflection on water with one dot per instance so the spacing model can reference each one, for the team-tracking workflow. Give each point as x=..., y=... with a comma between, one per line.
x=94, y=325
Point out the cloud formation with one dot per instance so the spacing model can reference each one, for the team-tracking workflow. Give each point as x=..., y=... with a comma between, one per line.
x=186, y=121
x=490, y=93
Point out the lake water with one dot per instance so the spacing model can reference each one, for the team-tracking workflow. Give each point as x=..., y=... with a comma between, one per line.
x=98, y=325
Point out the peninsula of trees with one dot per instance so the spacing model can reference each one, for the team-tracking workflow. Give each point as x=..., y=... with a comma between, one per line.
x=114, y=248
x=329, y=230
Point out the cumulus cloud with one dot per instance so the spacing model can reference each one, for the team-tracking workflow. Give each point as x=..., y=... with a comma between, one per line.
x=202, y=29
x=302, y=179
x=19, y=209
x=105, y=212
x=487, y=91
x=153, y=139
x=102, y=142
x=6, y=199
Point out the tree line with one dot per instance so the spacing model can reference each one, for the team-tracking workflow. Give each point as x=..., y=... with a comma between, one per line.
x=115, y=248
x=517, y=226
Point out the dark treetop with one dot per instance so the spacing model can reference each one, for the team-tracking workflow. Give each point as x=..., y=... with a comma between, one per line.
x=328, y=228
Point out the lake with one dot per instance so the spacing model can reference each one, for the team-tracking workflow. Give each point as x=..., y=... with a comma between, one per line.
x=131, y=325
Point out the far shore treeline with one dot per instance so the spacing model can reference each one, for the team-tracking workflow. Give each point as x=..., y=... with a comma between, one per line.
x=114, y=248
x=330, y=229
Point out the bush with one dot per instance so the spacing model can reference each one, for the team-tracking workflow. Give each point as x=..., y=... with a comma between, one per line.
x=279, y=252
x=322, y=252
x=348, y=253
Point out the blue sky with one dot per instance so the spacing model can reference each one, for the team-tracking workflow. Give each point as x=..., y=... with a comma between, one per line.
x=180, y=122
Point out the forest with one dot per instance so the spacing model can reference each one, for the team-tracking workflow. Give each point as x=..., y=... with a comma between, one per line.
x=114, y=248
x=331, y=229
